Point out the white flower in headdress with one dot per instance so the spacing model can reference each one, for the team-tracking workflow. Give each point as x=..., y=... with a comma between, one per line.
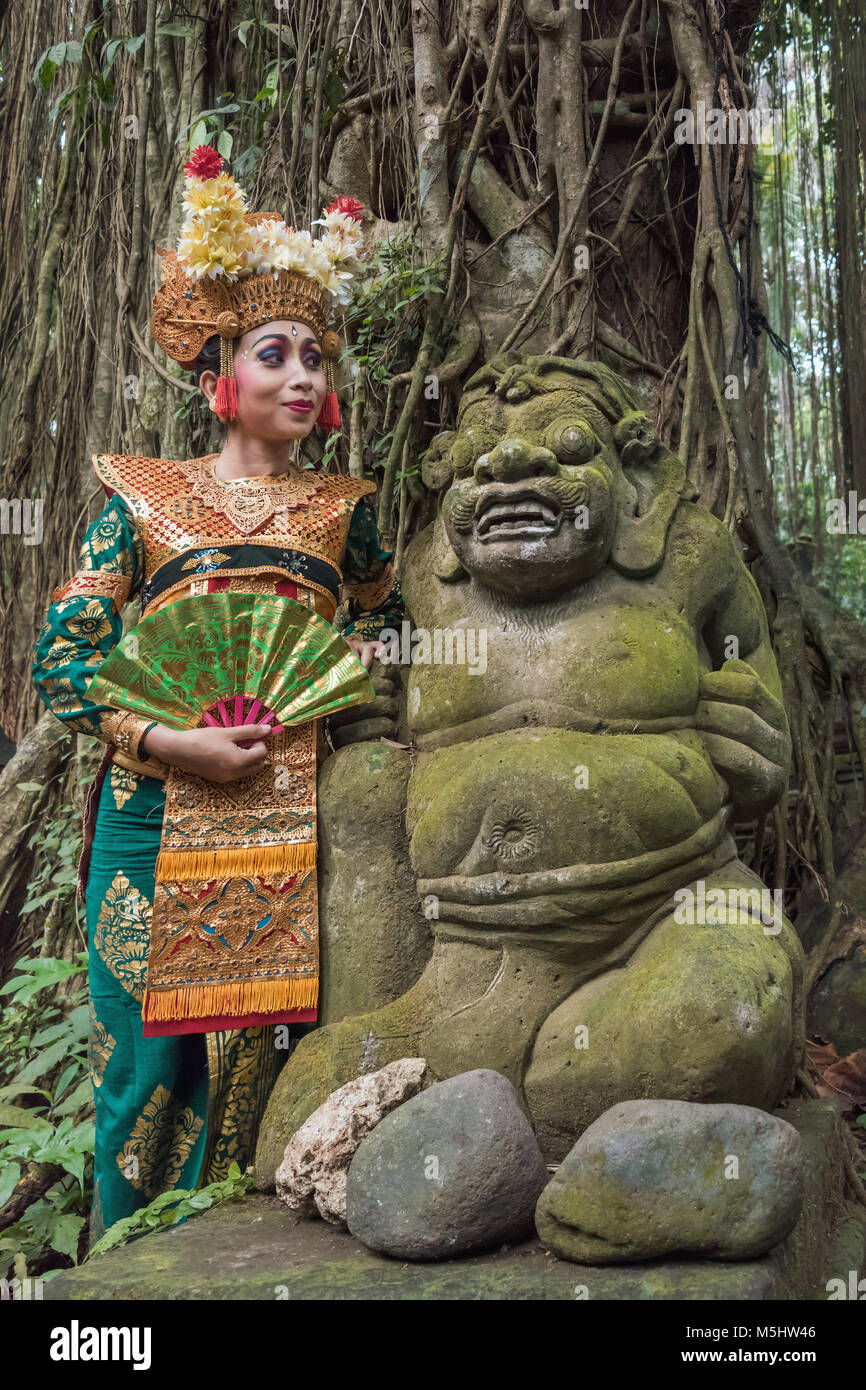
x=270, y=248
x=343, y=235
x=217, y=240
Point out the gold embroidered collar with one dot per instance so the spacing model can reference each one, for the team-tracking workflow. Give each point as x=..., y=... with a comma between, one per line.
x=249, y=502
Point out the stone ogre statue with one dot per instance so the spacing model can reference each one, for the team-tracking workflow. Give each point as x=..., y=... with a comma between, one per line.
x=566, y=811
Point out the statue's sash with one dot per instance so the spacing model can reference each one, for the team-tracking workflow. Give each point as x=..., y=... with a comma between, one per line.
x=234, y=934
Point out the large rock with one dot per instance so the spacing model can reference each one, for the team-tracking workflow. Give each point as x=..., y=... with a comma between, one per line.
x=654, y=1177
x=456, y=1168
x=312, y=1175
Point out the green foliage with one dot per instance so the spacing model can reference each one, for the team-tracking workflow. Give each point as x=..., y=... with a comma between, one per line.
x=45, y=1097
x=57, y=843
x=53, y=1223
x=843, y=573
x=795, y=211
x=387, y=319
x=171, y=1208
x=781, y=22
x=210, y=127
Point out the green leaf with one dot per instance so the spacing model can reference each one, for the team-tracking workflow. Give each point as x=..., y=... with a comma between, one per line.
x=43, y=1062
x=25, y=1143
x=284, y=33
x=45, y=73
x=133, y=45
x=69, y=1074
x=82, y=1095
x=117, y=1234
x=65, y=1233
x=200, y=1201
x=333, y=90
x=18, y=1088
x=18, y=1117
x=9, y=1175
x=49, y=1035
x=78, y=1022
x=109, y=53
x=45, y=972
x=31, y=786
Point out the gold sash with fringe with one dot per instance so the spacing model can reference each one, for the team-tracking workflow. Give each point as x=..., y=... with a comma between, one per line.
x=234, y=934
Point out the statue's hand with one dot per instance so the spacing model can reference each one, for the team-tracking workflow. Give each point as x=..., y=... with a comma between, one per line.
x=745, y=732
x=375, y=719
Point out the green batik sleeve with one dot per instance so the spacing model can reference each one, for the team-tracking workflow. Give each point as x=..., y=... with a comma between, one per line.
x=84, y=623
x=370, y=587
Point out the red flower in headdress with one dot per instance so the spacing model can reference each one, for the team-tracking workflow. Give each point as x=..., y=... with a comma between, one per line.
x=204, y=163
x=350, y=206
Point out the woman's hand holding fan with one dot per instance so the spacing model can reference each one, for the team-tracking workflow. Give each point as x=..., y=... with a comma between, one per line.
x=220, y=673
x=219, y=755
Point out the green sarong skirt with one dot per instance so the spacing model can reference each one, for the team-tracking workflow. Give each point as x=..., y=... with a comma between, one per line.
x=171, y=1112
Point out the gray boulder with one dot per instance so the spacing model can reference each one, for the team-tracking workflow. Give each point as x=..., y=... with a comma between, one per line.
x=654, y=1177
x=454, y=1169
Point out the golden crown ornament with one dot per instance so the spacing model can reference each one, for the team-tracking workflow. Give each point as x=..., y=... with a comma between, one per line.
x=234, y=270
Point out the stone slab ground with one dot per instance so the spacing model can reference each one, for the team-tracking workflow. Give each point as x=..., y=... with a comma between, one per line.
x=256, y=1249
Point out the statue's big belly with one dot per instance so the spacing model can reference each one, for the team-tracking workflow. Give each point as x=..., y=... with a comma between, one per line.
x=534, y=800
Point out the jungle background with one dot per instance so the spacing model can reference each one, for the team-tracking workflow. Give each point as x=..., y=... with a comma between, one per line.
x=524, y=190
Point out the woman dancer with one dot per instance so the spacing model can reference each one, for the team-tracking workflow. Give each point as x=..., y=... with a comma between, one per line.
x=181, y=1066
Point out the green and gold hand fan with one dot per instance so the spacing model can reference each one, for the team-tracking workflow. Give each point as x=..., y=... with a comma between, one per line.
x=231, y=659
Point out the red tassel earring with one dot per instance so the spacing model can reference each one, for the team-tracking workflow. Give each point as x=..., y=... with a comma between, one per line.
x=226, y=402
x=329, y=415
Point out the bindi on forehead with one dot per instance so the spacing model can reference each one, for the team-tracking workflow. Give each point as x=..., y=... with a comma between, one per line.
x=308, y=341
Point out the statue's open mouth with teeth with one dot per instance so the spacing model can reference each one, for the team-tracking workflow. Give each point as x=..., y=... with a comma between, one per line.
x=505, y=515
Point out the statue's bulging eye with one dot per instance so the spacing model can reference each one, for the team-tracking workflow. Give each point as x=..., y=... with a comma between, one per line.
x=462, y=456
x=571, y=441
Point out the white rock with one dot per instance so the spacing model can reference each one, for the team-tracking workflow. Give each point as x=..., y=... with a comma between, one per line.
x=312, y=1175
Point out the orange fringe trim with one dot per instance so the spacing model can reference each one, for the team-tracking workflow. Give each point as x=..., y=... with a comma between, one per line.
x=205, y=864
x=232, y=1000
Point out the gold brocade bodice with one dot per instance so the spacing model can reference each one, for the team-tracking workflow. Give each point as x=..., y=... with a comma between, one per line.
x=266, y=534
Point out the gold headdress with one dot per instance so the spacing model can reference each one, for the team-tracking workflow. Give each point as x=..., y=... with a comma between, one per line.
x=234, y=270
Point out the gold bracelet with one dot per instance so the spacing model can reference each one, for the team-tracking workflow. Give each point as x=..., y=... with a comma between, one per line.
x=128, y=733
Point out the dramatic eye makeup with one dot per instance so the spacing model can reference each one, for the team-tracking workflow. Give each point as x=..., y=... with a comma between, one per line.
x=273, y=350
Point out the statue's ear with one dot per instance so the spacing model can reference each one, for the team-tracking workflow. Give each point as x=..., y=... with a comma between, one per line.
x=437, y=471
x=443, y=561
x=653, y=483
x=437, y=468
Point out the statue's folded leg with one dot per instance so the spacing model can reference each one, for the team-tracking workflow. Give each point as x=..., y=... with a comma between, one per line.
x=704, y=1012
